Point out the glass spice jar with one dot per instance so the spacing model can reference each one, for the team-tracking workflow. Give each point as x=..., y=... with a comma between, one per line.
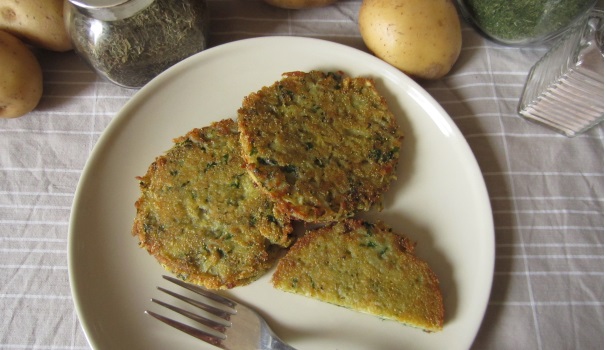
x=564, y=90
x=129, y=42
x=523, y=22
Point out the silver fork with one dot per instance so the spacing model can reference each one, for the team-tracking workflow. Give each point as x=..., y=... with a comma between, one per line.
x=243, y=328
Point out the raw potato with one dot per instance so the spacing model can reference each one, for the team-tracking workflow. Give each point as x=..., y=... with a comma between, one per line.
x=36, y=22
x=420, y=37
x=20, y=77
x=299, y=4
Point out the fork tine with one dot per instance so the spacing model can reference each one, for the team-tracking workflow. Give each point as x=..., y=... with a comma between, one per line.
x=203, y=320
x=208, y=308
x=195, y=332
x=204, y=292
x=246, y=329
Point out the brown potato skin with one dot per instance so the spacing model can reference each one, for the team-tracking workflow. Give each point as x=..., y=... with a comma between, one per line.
x=299, y=4
x=36, y=22
x=422, y=38
x=20, y=77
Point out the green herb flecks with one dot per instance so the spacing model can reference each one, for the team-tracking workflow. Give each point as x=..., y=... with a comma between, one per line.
x=209, y=166
x=236, y=181
x=517, y=20
x=370, y=244
x=381, y=156
x=272, y=219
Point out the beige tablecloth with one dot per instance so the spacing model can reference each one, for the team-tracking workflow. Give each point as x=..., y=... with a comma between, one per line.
x=546, y=190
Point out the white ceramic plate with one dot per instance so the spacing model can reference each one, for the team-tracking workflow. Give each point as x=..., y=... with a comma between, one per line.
x=439, y=200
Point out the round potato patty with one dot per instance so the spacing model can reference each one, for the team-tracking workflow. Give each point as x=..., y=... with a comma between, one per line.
x=201, y=216
x=323, y=145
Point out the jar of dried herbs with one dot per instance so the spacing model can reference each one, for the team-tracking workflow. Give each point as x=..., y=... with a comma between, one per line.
x=523, y=22
x=129, y=42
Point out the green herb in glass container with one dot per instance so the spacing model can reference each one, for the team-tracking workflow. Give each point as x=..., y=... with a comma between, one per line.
x=129, y=42
x=523, y=22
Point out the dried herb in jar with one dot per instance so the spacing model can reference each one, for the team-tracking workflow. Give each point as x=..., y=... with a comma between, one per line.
x=132, y=51
x=524, y=20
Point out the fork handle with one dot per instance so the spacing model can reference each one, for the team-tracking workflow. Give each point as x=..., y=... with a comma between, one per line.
x=277, y=344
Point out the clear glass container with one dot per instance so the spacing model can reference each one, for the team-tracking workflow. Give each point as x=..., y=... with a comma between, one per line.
x=565, y=88
x=523, y=22
x=129, y=42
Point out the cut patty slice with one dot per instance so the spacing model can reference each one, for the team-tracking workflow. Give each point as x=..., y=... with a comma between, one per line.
x=323, y=145
x=201, y=216
x=364, y=267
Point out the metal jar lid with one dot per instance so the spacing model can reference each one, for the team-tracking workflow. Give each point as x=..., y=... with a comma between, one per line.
x=110, y=10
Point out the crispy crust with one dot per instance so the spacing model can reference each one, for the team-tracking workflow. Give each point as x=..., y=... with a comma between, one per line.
x=202, y=217
x=364, y=267
x=324, y=146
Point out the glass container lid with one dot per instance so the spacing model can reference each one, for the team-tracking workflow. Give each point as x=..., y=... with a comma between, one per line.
x=110, y=10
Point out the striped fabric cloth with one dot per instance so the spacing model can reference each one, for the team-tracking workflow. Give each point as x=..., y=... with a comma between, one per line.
x=546, y=190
